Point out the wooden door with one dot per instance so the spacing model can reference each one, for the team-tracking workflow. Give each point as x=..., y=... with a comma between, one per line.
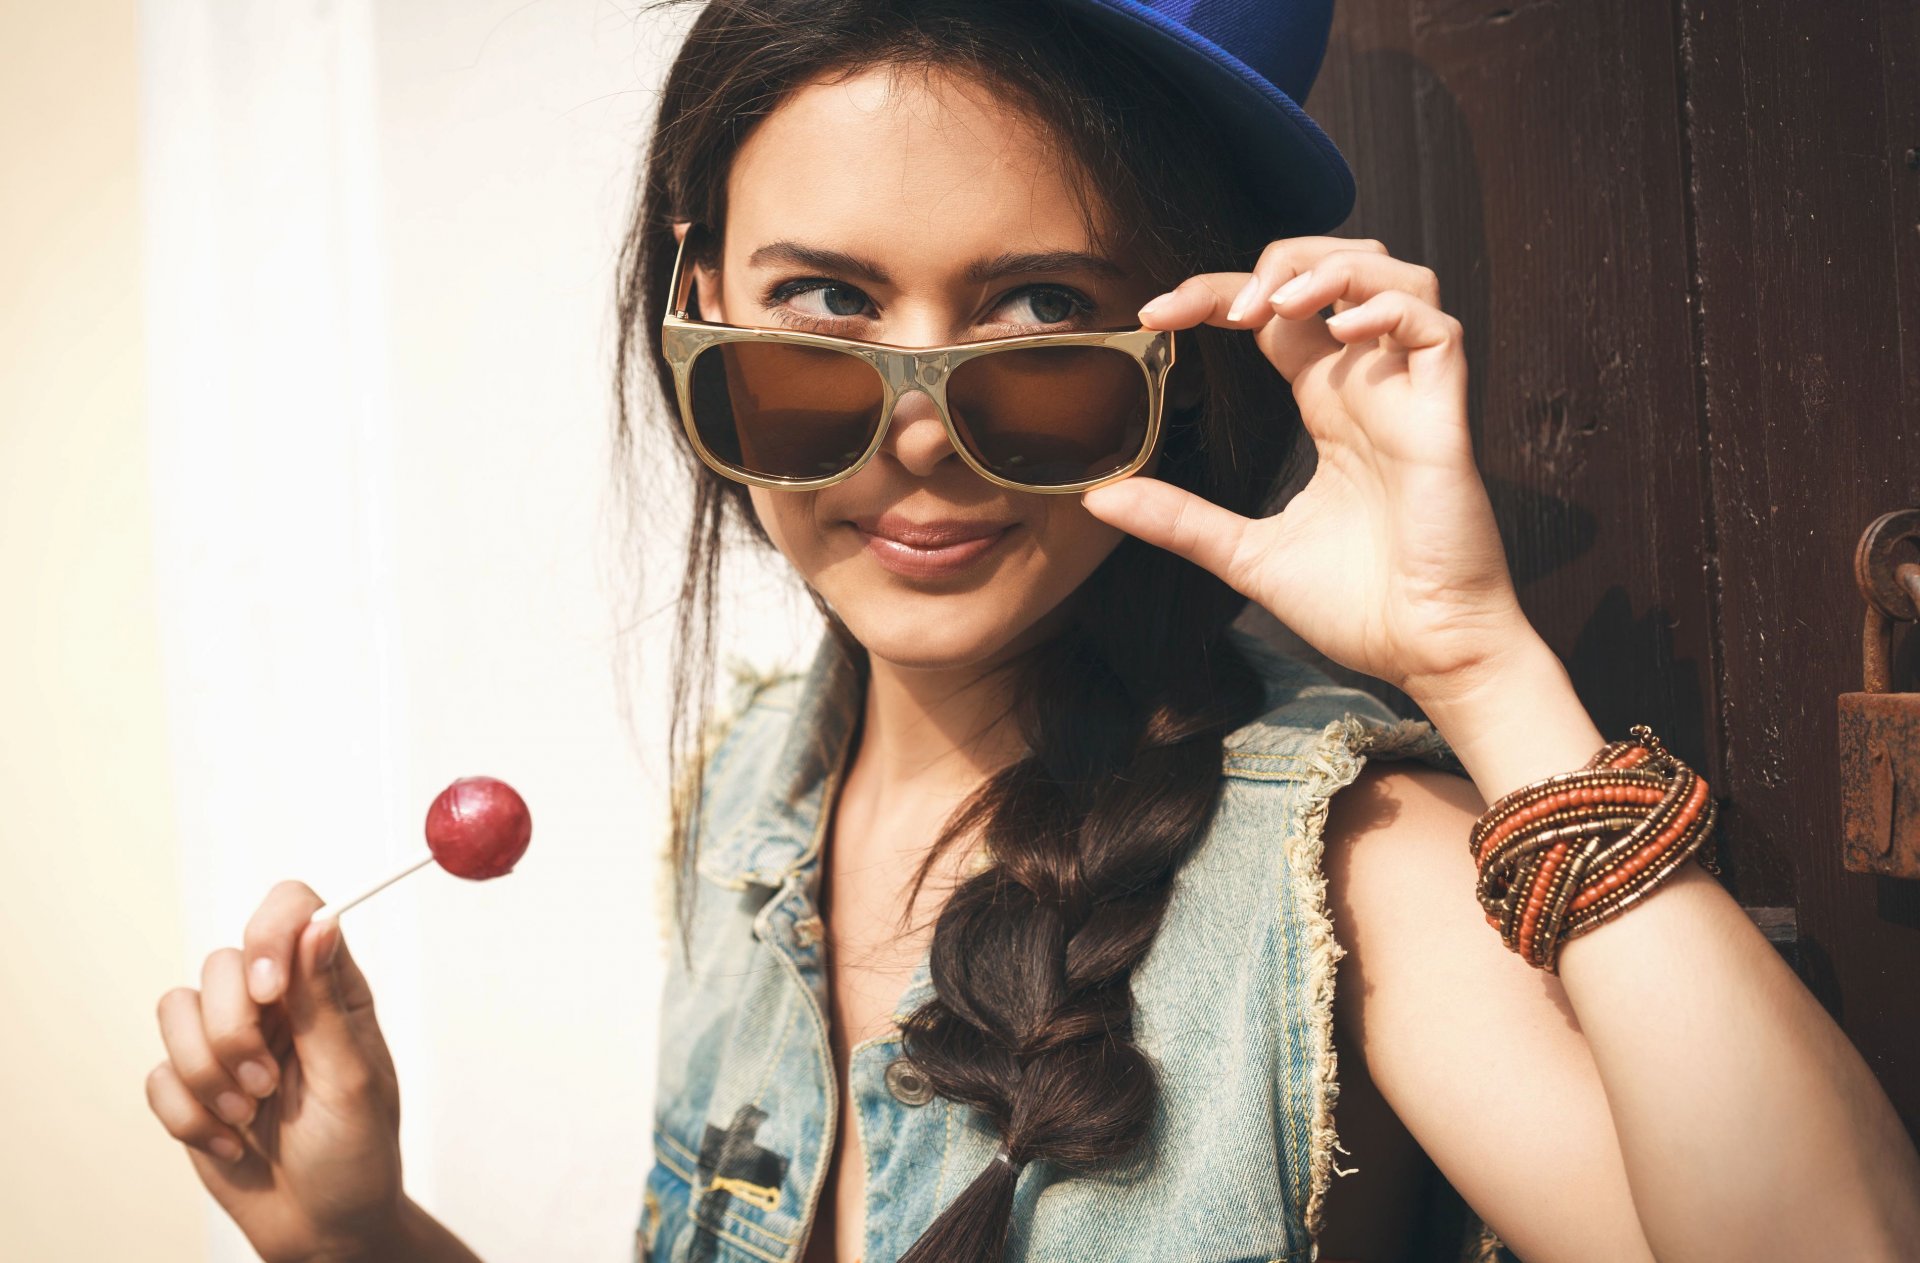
x=1684, y=239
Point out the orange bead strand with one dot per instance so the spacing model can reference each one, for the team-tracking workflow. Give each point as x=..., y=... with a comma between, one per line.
x=1561, y=855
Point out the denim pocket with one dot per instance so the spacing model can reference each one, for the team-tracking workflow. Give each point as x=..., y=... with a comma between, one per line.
x=722, y=1221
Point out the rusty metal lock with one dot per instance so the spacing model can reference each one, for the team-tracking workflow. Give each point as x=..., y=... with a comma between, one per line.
x=1880, y=730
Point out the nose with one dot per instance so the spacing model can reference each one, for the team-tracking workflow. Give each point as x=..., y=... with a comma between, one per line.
x=915, y=436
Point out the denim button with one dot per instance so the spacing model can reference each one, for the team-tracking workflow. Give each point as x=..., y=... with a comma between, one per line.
x=909, y=1086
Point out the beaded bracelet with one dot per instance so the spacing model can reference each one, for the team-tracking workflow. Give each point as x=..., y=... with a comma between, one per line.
x=1561, y=855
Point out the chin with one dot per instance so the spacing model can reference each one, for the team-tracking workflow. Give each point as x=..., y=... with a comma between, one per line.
x=935, y=631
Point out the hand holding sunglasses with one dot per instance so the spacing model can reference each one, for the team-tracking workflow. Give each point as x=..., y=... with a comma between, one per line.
x=1044, y=412
x=1388, y=561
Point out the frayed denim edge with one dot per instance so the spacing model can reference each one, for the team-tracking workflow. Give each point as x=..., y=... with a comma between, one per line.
x=1335, y=761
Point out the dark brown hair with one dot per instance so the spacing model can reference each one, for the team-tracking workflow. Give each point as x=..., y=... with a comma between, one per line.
x=1123, y=712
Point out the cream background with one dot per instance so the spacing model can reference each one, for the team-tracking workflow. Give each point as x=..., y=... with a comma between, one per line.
x=91, y=930
x=304, y=511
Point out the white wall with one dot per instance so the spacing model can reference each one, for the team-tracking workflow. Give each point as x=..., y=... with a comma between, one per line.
x=380, y=247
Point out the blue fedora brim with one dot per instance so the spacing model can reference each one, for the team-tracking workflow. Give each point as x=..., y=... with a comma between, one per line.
x=1293, y=166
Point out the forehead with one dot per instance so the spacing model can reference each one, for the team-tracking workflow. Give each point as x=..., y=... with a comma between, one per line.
x=891, y=160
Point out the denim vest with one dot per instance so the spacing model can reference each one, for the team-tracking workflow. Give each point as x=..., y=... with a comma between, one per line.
x=1233, y=1002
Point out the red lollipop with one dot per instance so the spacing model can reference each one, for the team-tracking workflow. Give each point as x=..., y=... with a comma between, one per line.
x=477, y=828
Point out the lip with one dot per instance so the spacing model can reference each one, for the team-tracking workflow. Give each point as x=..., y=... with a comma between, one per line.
x=928, y=550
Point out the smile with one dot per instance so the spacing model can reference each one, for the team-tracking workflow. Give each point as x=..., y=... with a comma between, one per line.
x=929, y=550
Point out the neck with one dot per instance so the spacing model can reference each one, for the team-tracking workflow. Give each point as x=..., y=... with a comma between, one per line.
x=937, y=730
x=928, y=738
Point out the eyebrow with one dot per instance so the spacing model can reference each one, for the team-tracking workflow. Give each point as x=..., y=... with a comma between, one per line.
x=1009, y=263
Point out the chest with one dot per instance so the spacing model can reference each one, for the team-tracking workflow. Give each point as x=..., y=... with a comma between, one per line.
x=877, y=933
x=874, y=938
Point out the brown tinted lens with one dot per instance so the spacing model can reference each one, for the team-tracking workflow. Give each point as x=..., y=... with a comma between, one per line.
x=784, y=411
x=1047, y=416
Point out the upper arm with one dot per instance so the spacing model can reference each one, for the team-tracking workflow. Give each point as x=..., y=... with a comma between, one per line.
x=1478, y=1053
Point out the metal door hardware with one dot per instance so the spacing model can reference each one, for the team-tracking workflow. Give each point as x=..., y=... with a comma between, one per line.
x=1880, y=729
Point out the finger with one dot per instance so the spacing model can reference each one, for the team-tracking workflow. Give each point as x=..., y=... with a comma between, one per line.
x=1289, y=257
x=1346, y=278
x=1400, y=321
x=194, y=1062
x=1232, y=299
x=330, y=1011
x=1201, y=299
x=1290, y=345
x=1172, y=518
x=270, y=935
x=186, y=1119
x=232, y=1022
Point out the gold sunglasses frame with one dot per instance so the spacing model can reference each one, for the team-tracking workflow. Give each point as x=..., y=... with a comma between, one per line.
x=902, y=370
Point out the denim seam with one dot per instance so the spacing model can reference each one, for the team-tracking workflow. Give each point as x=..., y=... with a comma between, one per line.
x=684, y=1152
x=1262, y=766
x=757, y=1251
x=816, y=1186
x=866, y=1154
x=773, y=1059
x=946, y=1156
x=1273, y=777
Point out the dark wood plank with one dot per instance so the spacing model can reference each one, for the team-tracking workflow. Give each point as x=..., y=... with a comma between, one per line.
x=1530, y=153
x=1805, y=215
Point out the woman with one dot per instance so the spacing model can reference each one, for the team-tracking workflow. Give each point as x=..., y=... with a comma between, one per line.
x=1004, y=930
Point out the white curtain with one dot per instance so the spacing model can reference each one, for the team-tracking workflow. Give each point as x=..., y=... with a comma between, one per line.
x=380, y=249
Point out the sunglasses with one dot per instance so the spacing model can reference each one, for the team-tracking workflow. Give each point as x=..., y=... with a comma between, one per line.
x=1047, y=412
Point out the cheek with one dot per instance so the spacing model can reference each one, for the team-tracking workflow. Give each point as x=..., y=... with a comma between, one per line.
x=787, y=518
x=1075, y=541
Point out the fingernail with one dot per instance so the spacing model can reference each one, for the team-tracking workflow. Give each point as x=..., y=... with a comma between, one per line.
x=1153, y=305
x=255, y=1078
x=226, y=1148
x=1292, y=289
x=1340, y=319
x=233, y=1107
x=1247, y=294
x=266, y=979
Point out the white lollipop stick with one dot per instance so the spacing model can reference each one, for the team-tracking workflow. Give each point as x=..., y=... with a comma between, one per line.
x=335, y=909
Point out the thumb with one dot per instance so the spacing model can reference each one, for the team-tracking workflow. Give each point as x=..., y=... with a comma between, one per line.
x=1175, y=519
x=329, y=1005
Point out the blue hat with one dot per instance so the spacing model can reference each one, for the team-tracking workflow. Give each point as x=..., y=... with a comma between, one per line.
x=1248, y=64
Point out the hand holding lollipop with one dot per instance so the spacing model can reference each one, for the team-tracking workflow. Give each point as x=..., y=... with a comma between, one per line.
x=278, y=1080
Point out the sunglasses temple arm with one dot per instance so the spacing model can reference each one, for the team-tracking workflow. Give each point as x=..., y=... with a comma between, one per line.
x=682, y=279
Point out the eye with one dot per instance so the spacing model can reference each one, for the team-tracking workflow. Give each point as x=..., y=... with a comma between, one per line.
x=821, y=300
x=1043, y=305
x=834, y=300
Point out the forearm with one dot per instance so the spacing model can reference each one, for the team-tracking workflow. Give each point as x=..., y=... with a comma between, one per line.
x=1749, y=1127
x=416, y=1237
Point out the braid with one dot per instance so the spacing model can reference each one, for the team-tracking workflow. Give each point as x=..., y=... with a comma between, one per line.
x=1032, y=958
x=1123, y=712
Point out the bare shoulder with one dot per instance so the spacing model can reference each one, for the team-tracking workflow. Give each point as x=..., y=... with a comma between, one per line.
x=1477, y=1053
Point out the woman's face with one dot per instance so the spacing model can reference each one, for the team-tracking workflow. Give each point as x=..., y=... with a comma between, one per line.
x=897, y=207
